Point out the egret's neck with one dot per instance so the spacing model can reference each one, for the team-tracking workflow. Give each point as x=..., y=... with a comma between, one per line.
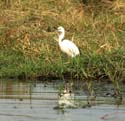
x=61, y=36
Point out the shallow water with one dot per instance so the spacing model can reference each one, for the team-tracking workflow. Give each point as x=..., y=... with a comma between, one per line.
x=35, y=101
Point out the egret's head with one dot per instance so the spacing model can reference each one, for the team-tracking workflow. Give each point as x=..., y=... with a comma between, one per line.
x=61, y=29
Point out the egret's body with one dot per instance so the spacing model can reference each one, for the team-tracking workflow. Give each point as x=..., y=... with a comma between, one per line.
x=67, y=46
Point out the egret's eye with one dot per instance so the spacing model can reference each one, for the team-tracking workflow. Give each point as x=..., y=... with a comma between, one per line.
x=59, y=29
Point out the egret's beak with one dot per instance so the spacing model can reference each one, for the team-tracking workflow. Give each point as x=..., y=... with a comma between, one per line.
x=56, y=32
x=59, y=32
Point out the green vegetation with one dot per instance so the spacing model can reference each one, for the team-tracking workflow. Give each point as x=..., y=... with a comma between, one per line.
x=28, y=46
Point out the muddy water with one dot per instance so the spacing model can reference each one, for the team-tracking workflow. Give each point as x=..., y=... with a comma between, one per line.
x=35, y=101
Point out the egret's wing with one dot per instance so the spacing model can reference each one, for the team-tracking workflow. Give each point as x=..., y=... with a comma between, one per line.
x=70, y=48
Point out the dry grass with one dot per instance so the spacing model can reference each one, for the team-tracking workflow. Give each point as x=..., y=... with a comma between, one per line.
x=28, y=32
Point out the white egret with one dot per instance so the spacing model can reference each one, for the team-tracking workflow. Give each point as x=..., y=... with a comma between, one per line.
x=67, y=46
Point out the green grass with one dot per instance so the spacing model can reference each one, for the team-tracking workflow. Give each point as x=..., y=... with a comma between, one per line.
x=29, y=49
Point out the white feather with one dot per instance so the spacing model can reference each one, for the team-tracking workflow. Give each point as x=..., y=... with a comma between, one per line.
x=67, y=46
